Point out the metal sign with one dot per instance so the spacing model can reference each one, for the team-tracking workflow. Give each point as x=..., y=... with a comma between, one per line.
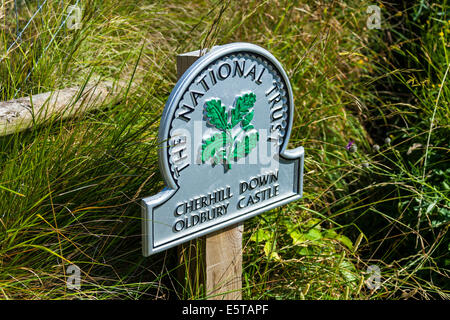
x=223, y=137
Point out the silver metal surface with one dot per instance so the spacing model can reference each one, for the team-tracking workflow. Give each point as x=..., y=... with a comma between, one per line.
x=223, y=137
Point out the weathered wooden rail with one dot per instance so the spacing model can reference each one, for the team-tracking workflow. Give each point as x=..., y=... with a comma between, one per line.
x=22, y=113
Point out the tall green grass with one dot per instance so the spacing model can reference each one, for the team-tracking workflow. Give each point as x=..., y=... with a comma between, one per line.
x=411, y=107
x=70, y=190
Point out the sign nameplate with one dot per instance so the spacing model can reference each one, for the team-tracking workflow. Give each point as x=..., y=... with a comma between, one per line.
x=223, y=147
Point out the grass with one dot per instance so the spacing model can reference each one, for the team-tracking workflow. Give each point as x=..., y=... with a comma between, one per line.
x=70, y=190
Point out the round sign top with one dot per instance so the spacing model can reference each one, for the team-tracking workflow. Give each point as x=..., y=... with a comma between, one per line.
x=224, y=106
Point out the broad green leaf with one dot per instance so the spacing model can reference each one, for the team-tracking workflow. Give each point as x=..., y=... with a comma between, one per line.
x=345, y=240
x=261, y=235
x=314, y=235
x=297, y=238
x=330, y=234
x=269, y=250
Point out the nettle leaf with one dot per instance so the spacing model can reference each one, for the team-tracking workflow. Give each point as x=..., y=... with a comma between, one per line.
x=213, y=147
x=217, y=114
x=244, y=147
x=242, y=108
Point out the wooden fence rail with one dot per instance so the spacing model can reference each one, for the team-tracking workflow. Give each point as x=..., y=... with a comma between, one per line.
x=20, y=114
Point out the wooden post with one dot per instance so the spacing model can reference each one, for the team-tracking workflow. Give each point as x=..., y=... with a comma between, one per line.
x=212, y=265
x=224, y=263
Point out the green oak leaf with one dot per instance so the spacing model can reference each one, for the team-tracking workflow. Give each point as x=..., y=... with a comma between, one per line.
x=217, y=114
x=223, y=147
x=243, y=106
x=246, y=145
x=246, y=121
x=213, y=147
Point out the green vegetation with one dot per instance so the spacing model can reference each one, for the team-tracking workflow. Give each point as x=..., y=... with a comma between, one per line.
x=70, y=190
